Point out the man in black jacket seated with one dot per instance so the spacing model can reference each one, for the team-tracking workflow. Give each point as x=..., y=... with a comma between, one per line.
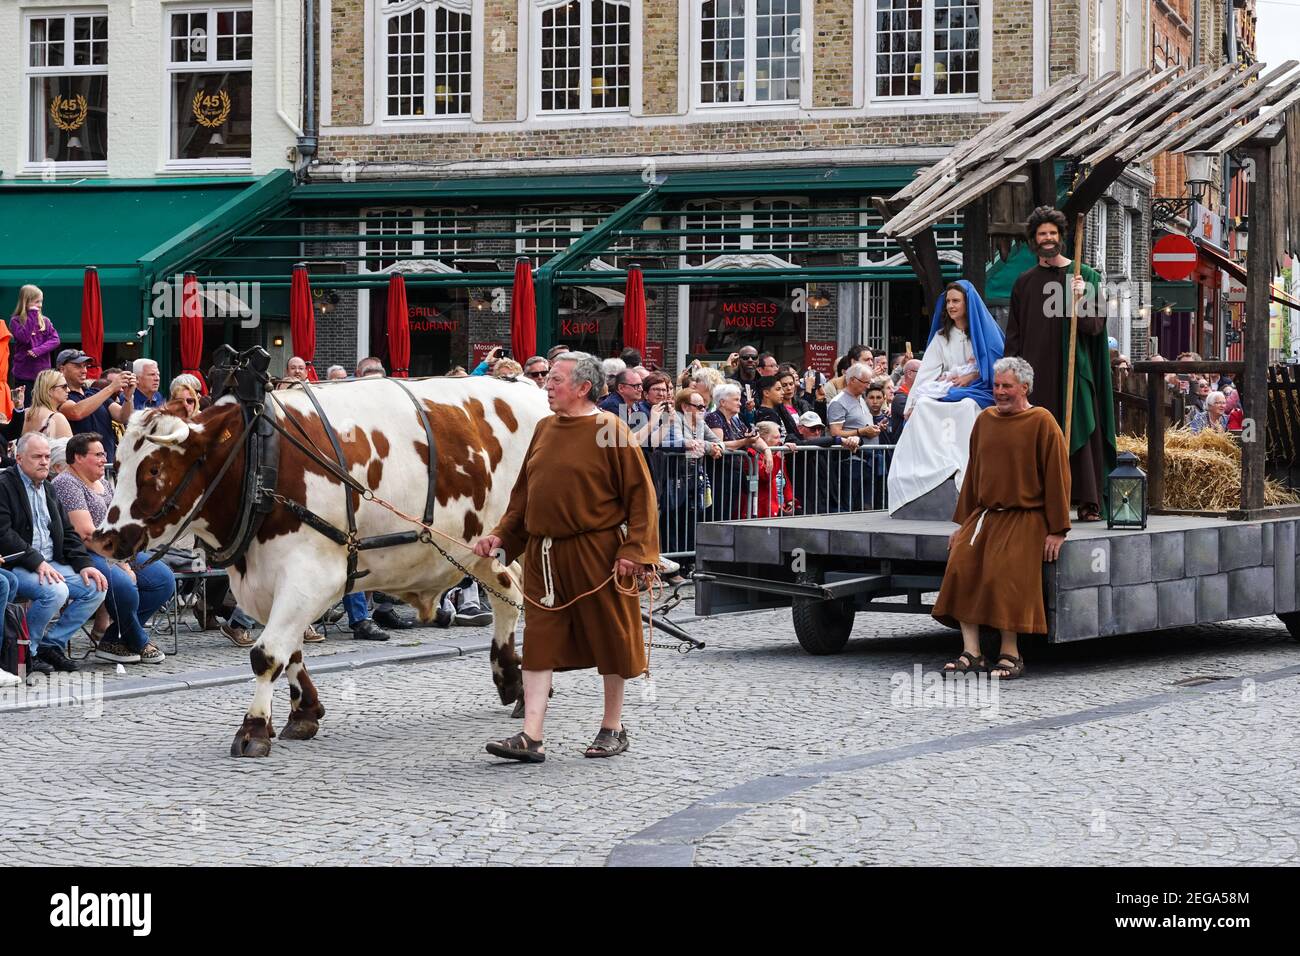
x=52, y=566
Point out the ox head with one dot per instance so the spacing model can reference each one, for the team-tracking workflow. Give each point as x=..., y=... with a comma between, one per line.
x=153, y=494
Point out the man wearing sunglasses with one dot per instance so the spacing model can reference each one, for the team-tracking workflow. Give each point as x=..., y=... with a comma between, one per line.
x=536, y=369
x=627, y=399
x=92, y=411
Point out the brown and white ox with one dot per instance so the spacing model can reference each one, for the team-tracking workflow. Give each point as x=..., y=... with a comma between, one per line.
x=290, y=573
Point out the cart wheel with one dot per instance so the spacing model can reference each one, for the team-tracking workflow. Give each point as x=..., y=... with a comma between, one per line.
x=1292, y=622
x=822, y=626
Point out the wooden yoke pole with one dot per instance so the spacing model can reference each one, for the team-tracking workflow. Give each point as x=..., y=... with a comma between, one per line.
x=1074, y=329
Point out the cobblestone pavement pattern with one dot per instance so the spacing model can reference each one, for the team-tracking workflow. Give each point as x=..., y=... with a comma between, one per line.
x=398, y=773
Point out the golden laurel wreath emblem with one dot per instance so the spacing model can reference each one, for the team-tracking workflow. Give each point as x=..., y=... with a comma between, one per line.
x=211, y=109
x=68, y=113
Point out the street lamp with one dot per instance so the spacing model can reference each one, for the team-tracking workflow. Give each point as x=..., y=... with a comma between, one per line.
x=1165, y=208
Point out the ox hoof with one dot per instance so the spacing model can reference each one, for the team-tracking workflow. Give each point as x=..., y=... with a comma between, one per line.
x=299, y=730
x=519, y=707
x=250, y=747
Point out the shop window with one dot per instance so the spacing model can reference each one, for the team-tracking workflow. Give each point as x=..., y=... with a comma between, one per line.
x=419, y=223
x=211, y=85
x=67, y=81
x=767, y=316
x=927, y=48
x=584, y=55
x=750, y=51
x=728, y=220
x=543, y=246
x=428, y=58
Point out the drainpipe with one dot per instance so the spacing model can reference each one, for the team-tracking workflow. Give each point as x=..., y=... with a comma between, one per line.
x=1196, y=33
x=307, y=141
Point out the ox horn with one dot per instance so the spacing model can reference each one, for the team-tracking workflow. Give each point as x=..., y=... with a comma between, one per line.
x=175, y=437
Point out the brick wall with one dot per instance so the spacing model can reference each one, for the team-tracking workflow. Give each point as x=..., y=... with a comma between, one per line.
x=500, y=60
x=1013, y=49
x=832, y=52
x=1063, y=49
x=930, y=129
x=659, y=57
x=347, y=63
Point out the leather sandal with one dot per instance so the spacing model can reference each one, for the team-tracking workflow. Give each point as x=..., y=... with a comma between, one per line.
x=965, y=663
x=1015, y=667
x=519, y=747
x=608, y=743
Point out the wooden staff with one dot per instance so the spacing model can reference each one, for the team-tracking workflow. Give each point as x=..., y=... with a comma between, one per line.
x=1074, y=330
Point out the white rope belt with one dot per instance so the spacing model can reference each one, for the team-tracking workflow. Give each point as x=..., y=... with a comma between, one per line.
x=980, y=522
x=548, y=582
x=548, y=576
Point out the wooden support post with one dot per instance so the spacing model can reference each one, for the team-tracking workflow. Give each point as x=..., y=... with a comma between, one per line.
x=1043, y=182
x=921, y=254
x=975, y=246
x=1259, y=274
x=1155, y=441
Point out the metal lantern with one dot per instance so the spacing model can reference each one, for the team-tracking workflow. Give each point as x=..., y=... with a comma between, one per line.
x=1127, y=493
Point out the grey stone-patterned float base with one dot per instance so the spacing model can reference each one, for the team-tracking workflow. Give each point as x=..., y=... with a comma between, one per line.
x=1177, y=572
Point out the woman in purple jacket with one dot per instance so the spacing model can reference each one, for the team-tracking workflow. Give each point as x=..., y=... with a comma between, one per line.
x=35, y=338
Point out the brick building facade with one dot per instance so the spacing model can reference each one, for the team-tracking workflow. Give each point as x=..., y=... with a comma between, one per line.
x=460, y=92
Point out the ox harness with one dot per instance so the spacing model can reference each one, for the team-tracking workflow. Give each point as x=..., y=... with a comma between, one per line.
x=244, y=376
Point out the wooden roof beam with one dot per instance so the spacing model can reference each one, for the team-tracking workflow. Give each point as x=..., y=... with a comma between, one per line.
x=1271, y=114
x=1265, y=98
x=1061, y=146
x=1154, y=118
x=1024, y=111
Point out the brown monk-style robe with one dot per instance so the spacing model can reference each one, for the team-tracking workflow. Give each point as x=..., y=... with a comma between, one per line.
x=1018, y=481
x=582, y=478
x=1039, y=338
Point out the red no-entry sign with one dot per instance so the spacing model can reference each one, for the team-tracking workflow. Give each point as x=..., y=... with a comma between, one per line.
x=1174, y=257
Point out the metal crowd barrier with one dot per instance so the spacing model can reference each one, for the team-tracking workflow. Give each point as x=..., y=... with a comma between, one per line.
x=808, y=481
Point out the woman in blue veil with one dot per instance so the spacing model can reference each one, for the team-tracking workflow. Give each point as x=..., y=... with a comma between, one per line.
x=953, y=385
x=985, y=338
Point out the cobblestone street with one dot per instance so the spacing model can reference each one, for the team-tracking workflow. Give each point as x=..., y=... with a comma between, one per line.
x=748, y=752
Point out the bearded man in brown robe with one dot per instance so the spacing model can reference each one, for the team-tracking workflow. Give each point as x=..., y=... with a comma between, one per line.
x=1014, y=512
x=583, y=507
x=1038, y=330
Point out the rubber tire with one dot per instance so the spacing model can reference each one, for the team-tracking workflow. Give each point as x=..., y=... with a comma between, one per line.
x=1292, y=622
x=822, y=627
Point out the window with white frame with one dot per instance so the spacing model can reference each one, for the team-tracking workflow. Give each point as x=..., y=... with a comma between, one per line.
x=584, y=55
x=1126, y=244
x=210, y=74
x=428, y=58
x=927, y=48
x=1099, y=247
x=541, y=248
x=750, y=51
x=434, y=233
x=728, y=220
x=67, y=79
x=879, y=248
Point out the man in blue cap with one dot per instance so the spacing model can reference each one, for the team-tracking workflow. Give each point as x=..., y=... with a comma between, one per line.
x=94, y=410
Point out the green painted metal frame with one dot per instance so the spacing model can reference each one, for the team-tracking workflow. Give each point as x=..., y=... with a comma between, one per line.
x=578, y=251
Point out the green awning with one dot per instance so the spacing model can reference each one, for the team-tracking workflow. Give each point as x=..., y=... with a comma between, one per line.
x=49, y=233
x=1180, y=295
x=802, y=180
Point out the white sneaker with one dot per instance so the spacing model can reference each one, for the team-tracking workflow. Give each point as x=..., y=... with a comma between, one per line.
x=9, y=680
x=668, y=567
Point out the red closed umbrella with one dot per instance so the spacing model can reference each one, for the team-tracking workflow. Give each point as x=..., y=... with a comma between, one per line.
x=192, y=329
x=302, y=320
x=399, y=328
x=634, y=321
x=523, y=312
x=92, y=322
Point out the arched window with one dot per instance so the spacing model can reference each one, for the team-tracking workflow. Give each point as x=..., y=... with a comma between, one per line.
x=584, y=55
x=427, y=58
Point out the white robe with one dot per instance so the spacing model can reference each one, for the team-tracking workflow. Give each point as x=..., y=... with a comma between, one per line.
x=935, y=444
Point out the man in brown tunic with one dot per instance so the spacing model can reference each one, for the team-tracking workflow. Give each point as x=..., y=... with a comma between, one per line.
x=1038, y=329
x=582, y=508
x=1014, y=512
